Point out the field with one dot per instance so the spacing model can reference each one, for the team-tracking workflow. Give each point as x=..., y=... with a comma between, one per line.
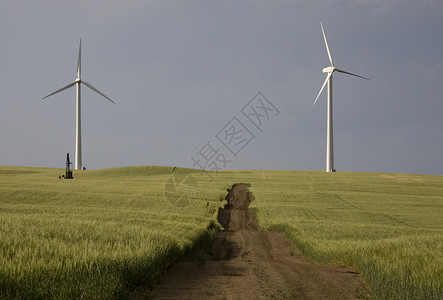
x=109, y=230
x=94, y=236
x=387, y=226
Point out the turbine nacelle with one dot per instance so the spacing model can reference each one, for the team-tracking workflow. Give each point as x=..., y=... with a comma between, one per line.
x=329, y=69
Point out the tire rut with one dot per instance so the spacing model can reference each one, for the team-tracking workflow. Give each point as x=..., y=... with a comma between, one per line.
x=249, y=264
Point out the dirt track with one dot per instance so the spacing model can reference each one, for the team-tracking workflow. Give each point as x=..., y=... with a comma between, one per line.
x=249, y=264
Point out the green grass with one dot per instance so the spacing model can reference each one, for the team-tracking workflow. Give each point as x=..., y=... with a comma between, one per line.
x=108, y=230
x=96, y=236
x=387, y=226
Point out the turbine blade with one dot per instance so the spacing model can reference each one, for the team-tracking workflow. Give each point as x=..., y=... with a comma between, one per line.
x=62, y=89
x=322, y=87
x=341, y=71
x=96, y=90
x=79, y=63
x=326, y=43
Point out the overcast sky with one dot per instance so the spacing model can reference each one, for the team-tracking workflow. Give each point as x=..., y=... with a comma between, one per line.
x=182, y=72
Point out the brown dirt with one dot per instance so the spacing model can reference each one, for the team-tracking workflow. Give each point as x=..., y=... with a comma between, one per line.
x=249, y=264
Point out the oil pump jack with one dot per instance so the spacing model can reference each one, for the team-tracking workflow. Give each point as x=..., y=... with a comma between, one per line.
x=68, y=168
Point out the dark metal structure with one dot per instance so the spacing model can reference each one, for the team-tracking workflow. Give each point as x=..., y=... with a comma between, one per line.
x=68, y=168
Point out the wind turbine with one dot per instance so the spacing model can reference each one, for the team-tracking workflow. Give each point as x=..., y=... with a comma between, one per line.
x=329, y=139
x=78, y=126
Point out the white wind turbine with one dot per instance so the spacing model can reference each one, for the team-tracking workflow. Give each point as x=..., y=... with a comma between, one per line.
x=329, y=139
x=78, y=127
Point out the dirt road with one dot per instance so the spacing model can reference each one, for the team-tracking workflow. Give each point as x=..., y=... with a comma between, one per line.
x=249, y=264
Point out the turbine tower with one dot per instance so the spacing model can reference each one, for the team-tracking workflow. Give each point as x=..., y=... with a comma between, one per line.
x=329, y=137
x=78, y=126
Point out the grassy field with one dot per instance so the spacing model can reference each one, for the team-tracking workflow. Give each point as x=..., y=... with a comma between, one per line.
x=95, y=236
x=108, y=230
x=387, y=226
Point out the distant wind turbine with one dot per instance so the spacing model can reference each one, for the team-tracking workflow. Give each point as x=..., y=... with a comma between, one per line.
x=329, y=139
x=78, y=127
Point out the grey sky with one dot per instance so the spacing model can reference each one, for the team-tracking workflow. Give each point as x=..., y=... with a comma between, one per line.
x=180, y=70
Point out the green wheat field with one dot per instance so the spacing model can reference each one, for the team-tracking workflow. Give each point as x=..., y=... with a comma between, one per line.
x=109, y=231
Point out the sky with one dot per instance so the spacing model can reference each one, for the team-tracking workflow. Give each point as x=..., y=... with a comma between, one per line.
x=186, y=74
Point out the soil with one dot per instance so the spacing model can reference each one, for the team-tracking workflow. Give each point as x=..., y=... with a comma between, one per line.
x=249, y=264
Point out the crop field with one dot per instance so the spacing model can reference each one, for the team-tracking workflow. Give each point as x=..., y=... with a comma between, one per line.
x=107, y=231
x=95, y=236
x=387, y=226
